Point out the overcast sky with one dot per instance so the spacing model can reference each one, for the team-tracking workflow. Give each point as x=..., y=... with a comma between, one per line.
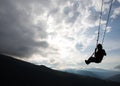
x=59, y=33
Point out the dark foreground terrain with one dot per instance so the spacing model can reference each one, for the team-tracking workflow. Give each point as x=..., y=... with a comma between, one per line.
x=15, y=72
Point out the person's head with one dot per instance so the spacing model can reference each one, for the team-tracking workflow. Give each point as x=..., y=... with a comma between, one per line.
x=99, y=46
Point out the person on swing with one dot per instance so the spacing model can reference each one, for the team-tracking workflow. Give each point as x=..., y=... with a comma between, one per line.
x=98, y=55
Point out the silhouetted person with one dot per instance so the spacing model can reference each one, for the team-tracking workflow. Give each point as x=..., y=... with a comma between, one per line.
x=98, y=55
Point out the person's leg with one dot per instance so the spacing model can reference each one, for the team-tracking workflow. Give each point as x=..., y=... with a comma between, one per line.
x=86, y=61
x=91, y=59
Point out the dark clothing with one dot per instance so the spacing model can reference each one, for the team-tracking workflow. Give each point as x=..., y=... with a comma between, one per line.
x=98, y=56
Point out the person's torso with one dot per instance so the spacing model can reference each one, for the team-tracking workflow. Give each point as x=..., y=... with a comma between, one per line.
x=100, y=53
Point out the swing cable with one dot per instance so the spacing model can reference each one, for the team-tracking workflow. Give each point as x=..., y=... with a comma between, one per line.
x=100, y=17
x=108, y=17
x=106, y=25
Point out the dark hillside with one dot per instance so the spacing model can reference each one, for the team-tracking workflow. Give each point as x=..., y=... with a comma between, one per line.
x=15, y=72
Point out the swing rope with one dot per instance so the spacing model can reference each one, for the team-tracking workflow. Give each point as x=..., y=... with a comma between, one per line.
x=100, y=18
x=106, y=25
x=108, y=17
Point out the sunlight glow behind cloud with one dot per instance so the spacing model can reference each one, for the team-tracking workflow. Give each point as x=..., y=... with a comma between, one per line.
x=67, y=25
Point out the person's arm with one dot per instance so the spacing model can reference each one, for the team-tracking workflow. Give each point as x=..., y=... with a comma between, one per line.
x=95, y=52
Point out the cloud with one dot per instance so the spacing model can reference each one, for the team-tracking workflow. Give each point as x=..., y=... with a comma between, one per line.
x=58, y=30
x=17, y=32
x=116, y=12
x=118, y=1
x=117, y=67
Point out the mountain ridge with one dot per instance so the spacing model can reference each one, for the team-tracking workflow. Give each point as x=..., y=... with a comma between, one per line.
x=95, y=72
x=14, y=72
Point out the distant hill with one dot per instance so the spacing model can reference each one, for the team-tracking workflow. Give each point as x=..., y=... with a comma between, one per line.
x=15, y=72
x=115, y=78
x=102, y=73
x=97, y=73
x=82, y=72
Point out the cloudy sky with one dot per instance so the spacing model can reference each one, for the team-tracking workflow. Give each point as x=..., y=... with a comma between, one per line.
x=59, y=33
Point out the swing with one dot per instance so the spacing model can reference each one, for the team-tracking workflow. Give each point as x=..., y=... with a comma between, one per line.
x=98, y=54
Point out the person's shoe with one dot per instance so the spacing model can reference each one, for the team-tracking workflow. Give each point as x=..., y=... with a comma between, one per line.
x=86, y=61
